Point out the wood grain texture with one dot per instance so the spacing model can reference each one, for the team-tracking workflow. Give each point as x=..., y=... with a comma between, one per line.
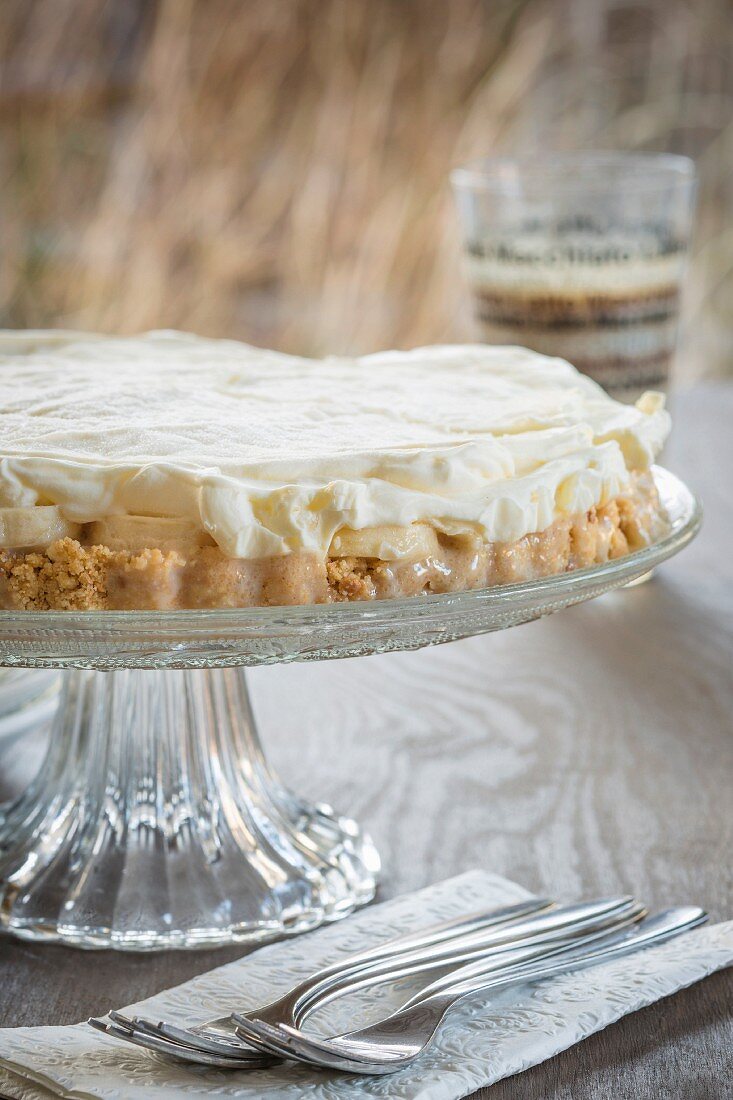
x=588, y=753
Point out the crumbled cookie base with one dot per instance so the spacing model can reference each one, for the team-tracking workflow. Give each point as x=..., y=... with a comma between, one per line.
x=65, y=577
x=68, y=576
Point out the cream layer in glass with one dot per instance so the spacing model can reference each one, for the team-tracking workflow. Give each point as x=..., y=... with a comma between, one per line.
x=167, y=470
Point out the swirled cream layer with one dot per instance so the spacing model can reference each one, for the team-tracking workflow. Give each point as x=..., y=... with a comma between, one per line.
x=272, y=454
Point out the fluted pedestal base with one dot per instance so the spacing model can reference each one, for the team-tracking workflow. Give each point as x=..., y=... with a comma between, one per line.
x=155, y=822
x=28, y=699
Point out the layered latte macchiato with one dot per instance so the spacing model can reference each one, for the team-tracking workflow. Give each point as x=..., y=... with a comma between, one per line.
x=609, y=304
x=581, y=255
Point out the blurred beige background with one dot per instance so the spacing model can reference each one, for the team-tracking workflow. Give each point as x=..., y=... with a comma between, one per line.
x=277, y=170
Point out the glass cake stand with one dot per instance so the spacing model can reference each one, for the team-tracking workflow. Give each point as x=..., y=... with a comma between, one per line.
x=155, y=821
x=27, y=698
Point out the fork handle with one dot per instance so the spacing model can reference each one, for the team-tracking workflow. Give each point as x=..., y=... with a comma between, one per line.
x=441, y=932
x=472, y=979
x=560, y=923
x=424, y=1012
x=425, y=940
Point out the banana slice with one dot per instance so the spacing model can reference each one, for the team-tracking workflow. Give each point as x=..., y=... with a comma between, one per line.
x=34, y=528
x=388, y=543
x=137, y=533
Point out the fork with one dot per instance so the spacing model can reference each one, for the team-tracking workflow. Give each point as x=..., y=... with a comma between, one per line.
x=218, y=1038
x=269, y=1038
x=567, y=923
x=216, y=1035
x=396, y=1042
x=217, y=1042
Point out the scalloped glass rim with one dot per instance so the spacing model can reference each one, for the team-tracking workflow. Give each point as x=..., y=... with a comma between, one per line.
x=266, y=635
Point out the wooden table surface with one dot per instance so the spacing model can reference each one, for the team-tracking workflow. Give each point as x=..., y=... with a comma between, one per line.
x=588, y=753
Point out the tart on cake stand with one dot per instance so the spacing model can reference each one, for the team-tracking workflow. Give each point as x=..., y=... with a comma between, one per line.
x=155, y=821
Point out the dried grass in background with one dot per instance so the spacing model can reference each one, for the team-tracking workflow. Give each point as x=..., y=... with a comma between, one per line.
x=277, y=170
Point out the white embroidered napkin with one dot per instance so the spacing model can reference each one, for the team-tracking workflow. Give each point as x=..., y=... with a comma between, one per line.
x=489, y=1038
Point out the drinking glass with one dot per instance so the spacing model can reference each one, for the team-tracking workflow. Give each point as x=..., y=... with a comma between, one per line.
x=581, y=255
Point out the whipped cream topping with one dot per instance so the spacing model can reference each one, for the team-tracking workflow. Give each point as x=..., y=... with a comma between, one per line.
x=273, y=453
